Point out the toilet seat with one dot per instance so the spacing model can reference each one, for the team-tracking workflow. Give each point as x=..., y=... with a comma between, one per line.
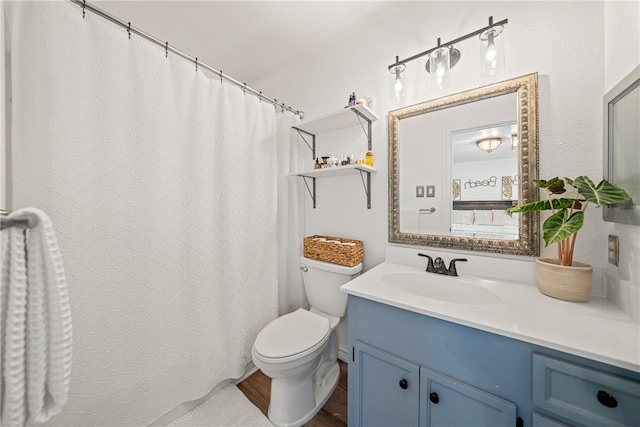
x=292, y=336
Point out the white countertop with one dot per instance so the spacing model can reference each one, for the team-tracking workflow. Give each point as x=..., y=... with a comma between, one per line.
x=598, y=330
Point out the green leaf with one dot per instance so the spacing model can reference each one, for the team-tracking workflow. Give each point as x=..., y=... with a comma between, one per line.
x=561, y=226
x=602, y=194
x=542, y=205
x=556, y=186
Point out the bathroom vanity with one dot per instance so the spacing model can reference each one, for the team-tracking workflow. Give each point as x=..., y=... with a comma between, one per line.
x=425, y=354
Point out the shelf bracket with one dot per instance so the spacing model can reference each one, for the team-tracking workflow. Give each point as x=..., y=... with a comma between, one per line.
x=367, y=131
x=312, y=147
x=367, y=186
x=312, y=191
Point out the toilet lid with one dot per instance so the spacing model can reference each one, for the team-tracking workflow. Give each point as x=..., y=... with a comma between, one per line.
x=292, y=334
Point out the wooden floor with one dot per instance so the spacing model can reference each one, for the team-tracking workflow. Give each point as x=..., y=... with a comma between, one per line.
x=257, y=388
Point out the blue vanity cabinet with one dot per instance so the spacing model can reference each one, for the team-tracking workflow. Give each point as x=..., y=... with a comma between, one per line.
x=480, y=378
x=448, y=402
x=388, y=388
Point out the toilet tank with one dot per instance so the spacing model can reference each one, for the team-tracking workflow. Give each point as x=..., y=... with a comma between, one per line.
x=322, y=281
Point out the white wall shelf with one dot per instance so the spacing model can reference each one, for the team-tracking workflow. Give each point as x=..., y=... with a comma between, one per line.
x=335, y=171
x=347, y=117
x=337, y=120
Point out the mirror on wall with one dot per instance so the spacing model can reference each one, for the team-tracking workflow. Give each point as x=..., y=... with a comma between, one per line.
x=458, y=163
x=622, y=147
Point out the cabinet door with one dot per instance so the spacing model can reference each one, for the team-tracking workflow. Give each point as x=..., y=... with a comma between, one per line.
x=447, y=402
x=387, y=388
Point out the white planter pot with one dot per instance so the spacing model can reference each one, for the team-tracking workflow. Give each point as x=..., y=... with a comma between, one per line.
x=568, y=283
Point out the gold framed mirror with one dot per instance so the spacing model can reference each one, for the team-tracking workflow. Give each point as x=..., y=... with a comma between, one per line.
x=476, y=154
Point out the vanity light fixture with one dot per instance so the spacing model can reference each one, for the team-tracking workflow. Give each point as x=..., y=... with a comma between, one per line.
x=514, y=141
x=454, y=57
x=445, y=56
x=439, y=66
x=491, y=49
x=397, y=86
x=514, y=136
x=488, y=144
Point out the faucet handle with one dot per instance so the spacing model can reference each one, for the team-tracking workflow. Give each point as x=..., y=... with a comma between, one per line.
x=439, y=267
x=452, y=266
x=429, y=262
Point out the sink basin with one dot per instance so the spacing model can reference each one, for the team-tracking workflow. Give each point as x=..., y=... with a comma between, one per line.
x=440, y=287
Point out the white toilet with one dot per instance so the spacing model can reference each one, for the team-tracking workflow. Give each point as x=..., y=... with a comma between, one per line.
x=299, y=351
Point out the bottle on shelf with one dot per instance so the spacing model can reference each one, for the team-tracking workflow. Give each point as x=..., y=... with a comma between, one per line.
x=368, y=158
x=317, y=165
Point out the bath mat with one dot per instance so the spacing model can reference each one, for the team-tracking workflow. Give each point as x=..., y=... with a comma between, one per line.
x=228, y=407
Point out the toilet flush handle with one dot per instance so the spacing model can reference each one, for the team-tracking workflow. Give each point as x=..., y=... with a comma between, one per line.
x=304, y=268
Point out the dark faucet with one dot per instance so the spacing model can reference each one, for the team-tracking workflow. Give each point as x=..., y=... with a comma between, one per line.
x=438, y=266
x=452, y=266
x=429, y=262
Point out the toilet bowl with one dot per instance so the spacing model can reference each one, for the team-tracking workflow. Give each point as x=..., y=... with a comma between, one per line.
x=299, y=350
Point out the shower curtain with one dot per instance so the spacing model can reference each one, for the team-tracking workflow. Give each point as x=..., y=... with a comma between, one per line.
x=172, y=206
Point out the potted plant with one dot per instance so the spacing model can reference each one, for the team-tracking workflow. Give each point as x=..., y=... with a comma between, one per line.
x=564, y=278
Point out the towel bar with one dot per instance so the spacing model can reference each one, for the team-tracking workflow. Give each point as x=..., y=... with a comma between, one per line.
x=25, y=221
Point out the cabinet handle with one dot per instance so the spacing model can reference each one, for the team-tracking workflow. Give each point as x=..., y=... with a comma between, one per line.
x=403, y=384
x=606, y=399
x=433, y=397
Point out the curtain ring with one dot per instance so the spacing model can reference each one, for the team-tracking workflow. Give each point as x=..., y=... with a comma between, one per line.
x=166, y=50
x=220, y=76
x=260, y=96
x=275, y=104
x=129, y=30
x=196, y=64
x=84, y=4
x=244, y=88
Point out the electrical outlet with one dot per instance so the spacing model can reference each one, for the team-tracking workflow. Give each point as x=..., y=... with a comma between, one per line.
x=614, y=249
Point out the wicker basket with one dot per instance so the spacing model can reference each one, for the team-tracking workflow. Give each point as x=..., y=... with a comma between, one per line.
x=330, y=251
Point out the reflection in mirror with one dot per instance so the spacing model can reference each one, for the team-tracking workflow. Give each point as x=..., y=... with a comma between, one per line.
x=476, y=153
x=485, y=178
x=622, y=146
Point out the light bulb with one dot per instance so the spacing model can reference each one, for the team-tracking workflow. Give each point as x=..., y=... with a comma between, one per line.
x=439, y=65
x=397, y=90
x=491, y=53
x=397, y=87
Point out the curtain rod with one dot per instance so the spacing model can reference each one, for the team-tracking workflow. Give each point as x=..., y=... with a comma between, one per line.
x=131, y=29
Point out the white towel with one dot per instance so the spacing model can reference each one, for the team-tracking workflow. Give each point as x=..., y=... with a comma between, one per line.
x=36, y=330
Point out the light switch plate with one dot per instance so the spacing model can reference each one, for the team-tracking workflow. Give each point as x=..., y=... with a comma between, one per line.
x=614, y=250
x=419, y=190
x=431, y=191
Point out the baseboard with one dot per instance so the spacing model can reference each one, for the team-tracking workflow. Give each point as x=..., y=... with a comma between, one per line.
x=343, y=355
